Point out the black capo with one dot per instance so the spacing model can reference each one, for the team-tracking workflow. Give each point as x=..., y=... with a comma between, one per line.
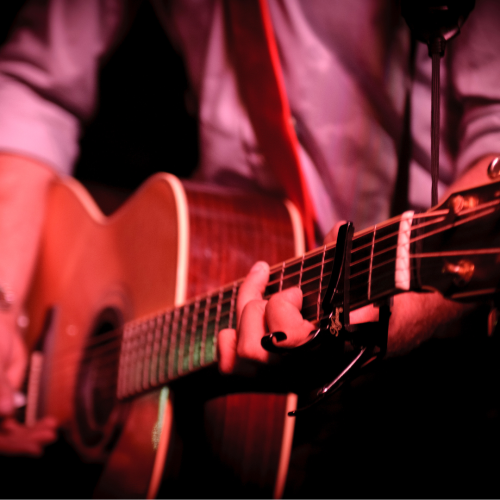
x=369, y=339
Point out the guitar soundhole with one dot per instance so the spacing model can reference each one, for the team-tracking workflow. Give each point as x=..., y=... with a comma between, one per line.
x=97, y=380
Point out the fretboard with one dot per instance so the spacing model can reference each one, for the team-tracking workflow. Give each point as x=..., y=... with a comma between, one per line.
x=173, y=343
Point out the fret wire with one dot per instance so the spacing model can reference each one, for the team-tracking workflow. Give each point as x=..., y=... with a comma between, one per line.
x=155, y=356
x=180, y=354
x=320, y=282
x=124, y=359
x=302, y=259
x=147, y=354
x=281, y=276
x=173, y=343
x=204, y=331
x=133, y=357
x=233, y=304
x=372, y=255
x=121, y=365
x=371, y=262
x=139, y=364
x=301, y=270
x=217, y=322
x=130, y=361
x=192, y=339
x=164, y=346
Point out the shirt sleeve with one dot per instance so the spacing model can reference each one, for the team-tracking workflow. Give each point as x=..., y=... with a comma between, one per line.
x=475, y=75
x=48, y=76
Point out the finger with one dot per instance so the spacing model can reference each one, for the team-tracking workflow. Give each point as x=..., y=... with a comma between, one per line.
x=283, y=315
x=7, y=405
x=364, y=315
x=17, y=439
x=16, y=368
x=253, y=287
x=226, y=349
x=252, y=329
x=331, y=237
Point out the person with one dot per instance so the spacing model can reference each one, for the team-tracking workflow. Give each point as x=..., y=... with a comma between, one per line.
x=346, y=73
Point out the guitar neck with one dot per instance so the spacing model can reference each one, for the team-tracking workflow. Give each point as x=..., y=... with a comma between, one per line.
x=176, y=342
x=437, y=250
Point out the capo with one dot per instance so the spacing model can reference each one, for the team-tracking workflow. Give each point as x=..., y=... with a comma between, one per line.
x=368, y=339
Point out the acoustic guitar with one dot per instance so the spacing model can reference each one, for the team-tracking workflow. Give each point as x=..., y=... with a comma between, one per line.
x=124, y=332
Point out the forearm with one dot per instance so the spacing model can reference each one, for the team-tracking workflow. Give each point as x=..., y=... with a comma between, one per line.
x=23, y=188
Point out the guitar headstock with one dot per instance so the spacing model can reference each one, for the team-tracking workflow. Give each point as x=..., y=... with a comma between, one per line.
x=456, y=245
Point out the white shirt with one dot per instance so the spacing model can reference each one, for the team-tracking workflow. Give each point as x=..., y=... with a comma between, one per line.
x=345, y=66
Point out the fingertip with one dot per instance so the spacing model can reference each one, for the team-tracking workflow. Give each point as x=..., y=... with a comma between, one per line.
x=260, y=267
x=226, y=350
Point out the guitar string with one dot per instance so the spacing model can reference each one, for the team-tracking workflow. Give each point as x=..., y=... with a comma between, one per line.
x=139, y=372
x=100, y=339
x=315, y=252
x=116, y=344
x=106, y=346
x=273, y=270
x=276, y=269
x=136, y=374
x=143, y=334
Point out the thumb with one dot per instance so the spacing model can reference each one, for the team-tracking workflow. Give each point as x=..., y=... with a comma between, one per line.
x=331, y=237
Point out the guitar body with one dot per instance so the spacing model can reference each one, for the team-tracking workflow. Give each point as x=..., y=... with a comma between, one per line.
x=168, y=243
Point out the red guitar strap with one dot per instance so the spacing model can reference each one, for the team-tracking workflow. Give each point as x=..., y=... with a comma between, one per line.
x=255, y=59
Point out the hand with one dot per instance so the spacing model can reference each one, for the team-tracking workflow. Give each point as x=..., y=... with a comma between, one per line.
x=257, y=317
x=18, y=439
x=13, y=360
x=414, y=319
x=23, y=187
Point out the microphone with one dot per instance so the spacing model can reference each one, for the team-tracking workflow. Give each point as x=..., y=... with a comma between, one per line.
x=434, y=22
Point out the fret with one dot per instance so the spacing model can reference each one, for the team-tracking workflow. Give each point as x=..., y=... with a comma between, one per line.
x=155, y=353
x=146, y=381
x=273, y=285
x=318, y=306
x=128, y=360
x=164, y=345
x=204, y=329
x=217, y=322
x=301, y=270
x=194, y=328
x=122, y=367
x=132, y=360
x=225, y=308
x=281, y=277
x=180, y=351
x=233, y=306
x=172, y=344
x=139, y=357
x=292, y=275
x=371, y=263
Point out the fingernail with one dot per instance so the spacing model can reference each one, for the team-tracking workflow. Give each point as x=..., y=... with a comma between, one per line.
x=258, y=266
x=279, y=336
x=19, y=400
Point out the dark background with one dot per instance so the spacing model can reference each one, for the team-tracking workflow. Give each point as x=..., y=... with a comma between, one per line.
x=142, y=125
